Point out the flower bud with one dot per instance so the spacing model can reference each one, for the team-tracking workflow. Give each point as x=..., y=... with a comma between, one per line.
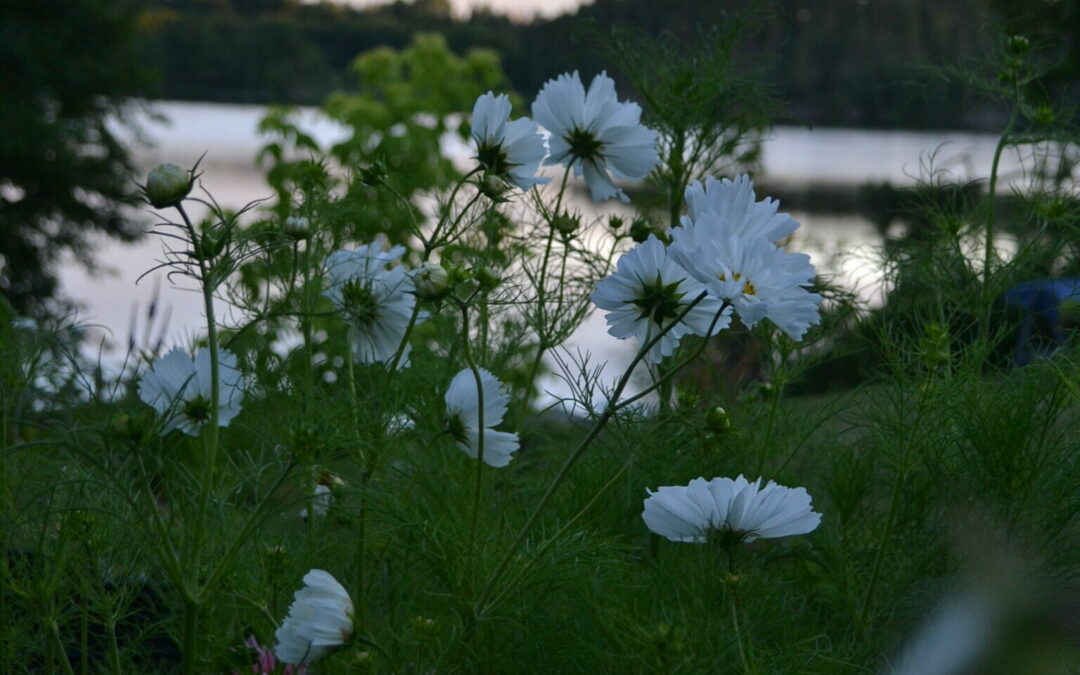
x=492, y=187
x=211, y=243
x=374, y=175
x=296, y=227
x=1018, y=44
x=1043, y=116
x=615, y=222
x=640, y=230
x=718, y=421
x=167, y=185
x=934, y=345
x=486, y=277
x=565, y=223
x=432, y=281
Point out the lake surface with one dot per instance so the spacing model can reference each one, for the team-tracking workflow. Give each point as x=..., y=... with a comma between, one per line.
x=842, y=245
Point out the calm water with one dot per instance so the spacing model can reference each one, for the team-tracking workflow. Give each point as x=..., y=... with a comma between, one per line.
x=840, y=244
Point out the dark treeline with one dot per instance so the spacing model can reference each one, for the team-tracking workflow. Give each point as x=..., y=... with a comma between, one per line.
x=835, y=62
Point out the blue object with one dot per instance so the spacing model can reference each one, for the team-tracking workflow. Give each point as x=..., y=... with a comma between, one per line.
x=1041, y=301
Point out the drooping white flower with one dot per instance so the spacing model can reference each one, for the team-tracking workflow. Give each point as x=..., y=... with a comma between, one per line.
x=377, y=301
x=594, y=133
x=758, y=278
x=179, y=387
x=512, y=150
x=319, y=620
x=647, y=291
x=463, y=410
x=733, y=201
x=321, y=497
x=722, y=506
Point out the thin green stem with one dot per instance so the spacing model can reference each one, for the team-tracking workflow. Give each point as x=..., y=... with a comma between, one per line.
x=84, y=633
x=879, y=559
x=601, y=421
x=533, y=559
x=361, y=519
x=392, y=368
x=189, y=640
x=991, y=207
x=430, y=244
x=467, y=353
x=991, y=216
x=54, y=632
x=562, y=190
x=114, y=648
x=678, y=181
x=774, y=402
x=541, y=308
x=744, y=656
x=674, y=370
x=194, y=565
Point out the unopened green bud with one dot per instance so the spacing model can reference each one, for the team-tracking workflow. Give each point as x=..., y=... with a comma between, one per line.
x=492, y=187
x=457, y=275
x=211, y=243
x=486, y=277
x=1018, y=44
x=566, y=223
x=615, y=222
x=640, y=230
x=422, y=624
x=167, y=185
x=934, y=344
x=374, y=175
x=1043, y=116
x=718, y=421
x=122, y=424
x=431, y=281
x=296, y=227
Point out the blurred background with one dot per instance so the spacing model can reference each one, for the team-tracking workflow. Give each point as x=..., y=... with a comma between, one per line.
x=95, y=92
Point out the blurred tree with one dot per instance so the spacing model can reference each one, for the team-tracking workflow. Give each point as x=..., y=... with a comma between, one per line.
x=68, y=68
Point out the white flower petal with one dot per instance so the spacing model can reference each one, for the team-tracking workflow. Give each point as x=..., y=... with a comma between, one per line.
x=319, y=620
x=176, y=379
x=724, y=505
x=462, y=403
x=638, y=273
x=623, y=146
x=376, y=336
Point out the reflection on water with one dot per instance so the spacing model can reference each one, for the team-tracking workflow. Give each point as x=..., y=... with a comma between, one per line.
x=842, y=246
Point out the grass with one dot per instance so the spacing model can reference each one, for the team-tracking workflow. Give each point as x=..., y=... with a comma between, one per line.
x=976, y=468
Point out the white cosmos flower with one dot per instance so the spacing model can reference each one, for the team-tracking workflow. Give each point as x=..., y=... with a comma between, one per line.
x=647, y=291
x=758, y=278
x=377, y=302
x=733, y=201
x=594, y=133
x=722, y=506
x=319, y=620
x=512, y=150
x=179, y=387
x=463, y=410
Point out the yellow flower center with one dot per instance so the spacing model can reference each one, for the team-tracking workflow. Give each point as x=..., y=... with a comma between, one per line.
x=748, y=286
